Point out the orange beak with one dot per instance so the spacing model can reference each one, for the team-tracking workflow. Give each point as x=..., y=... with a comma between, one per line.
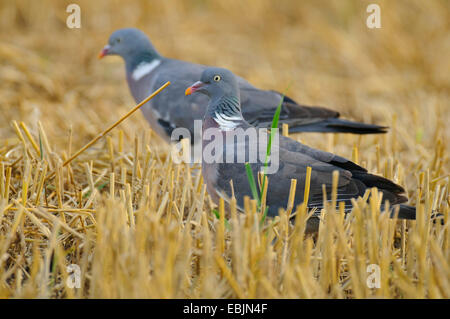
x=194, y=88
x=104, y=51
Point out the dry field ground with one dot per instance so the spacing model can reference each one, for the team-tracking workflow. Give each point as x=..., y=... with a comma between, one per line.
x=139, y=226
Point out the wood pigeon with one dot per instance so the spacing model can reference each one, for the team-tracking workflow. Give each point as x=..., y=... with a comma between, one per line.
x=147, y=70
x=223, y=118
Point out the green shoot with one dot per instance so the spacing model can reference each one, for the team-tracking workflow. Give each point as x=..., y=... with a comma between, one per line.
x=250, y=177
x=217, y=214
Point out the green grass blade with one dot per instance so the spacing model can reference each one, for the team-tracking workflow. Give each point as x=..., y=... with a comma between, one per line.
x=251, y=181
x=274, y=126
x=41, y=149
x=263, y=218
x=217, y=214
x=250, y=177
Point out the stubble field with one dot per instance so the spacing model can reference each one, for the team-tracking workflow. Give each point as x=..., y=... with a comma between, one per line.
x=136, y=225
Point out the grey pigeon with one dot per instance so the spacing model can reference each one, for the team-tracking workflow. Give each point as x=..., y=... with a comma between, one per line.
x=147, y=70
x=224, y=115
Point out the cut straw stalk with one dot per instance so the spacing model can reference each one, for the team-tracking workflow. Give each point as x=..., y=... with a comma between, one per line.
x=30, y=138
x=123, y=118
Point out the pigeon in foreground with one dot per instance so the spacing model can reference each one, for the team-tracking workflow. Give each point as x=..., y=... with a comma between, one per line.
x=224, y=116
x=147, y=70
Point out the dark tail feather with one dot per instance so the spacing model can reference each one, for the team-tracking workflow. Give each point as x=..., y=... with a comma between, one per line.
x=335, y=125
x=409, y=212
x=404, y=212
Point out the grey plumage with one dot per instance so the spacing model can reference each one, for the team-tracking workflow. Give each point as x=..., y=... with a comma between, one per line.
x=294, y=158
x=170, y=109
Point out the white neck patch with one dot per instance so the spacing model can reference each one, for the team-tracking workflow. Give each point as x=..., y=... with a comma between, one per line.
x=226, y=123
x=144, y=68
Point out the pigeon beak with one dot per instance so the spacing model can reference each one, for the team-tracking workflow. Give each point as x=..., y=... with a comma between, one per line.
x=104, y=51
x=194, y=88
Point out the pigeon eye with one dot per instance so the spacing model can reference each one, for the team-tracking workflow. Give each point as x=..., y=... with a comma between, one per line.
x=217, y=78
x=118, y=40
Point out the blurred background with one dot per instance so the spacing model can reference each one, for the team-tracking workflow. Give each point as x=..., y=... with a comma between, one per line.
x=397, y=75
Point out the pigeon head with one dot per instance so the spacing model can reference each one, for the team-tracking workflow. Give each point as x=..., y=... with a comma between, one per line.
x=129, y=43
x=222, y=88
x=215, y=83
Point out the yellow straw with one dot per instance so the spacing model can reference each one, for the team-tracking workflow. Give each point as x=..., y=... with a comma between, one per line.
x=99, y=136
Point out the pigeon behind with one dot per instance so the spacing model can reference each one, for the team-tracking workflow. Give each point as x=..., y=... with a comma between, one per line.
x=146, y=70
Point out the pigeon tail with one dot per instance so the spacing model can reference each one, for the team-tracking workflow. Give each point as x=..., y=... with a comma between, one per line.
x=409, y=212
x=404, y=212
x=336, y=125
